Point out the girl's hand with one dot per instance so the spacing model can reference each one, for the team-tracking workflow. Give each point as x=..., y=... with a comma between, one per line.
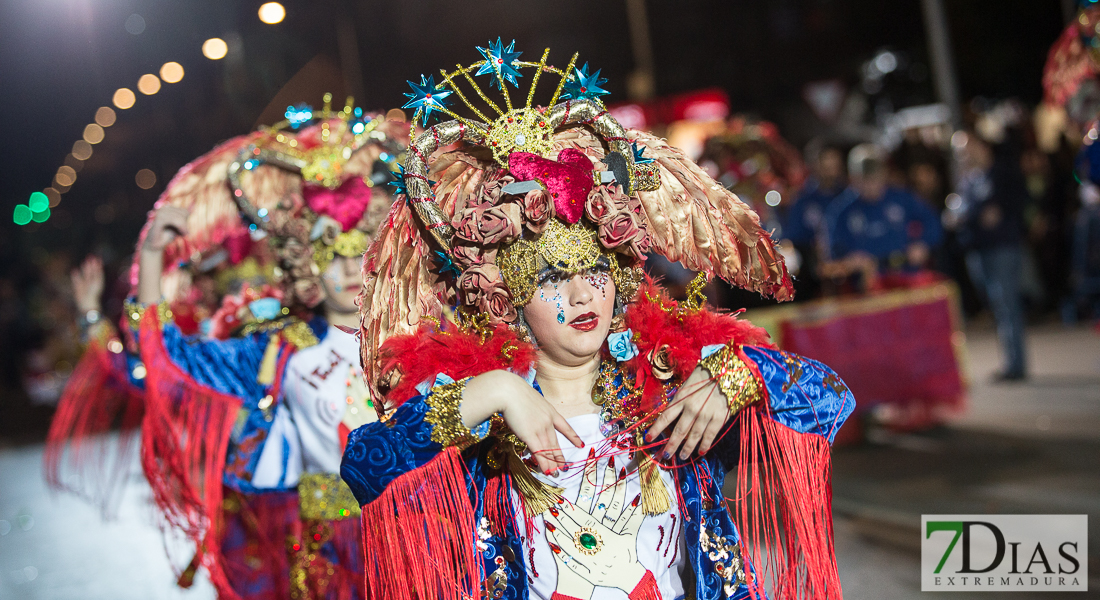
x=525, y=411
x=169, y=223
x=699, y=412
x=88, y=284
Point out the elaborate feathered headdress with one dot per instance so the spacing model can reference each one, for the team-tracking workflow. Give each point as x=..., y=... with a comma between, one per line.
x=530, y=186
x=316, y=183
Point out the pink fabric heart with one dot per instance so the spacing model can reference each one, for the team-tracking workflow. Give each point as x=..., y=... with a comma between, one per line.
x=346, y=204
x=568, y=179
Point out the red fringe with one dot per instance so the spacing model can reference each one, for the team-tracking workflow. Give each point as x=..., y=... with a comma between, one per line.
x=419, y=535
x=646, y=589
x=185, y=438
x=430, y=351
x=254, y=540
x=97, y=397
x=784, y=508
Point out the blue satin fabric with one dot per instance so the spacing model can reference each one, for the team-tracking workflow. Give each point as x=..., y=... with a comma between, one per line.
x=377, y=453
x=230, y=367
x=803, y=394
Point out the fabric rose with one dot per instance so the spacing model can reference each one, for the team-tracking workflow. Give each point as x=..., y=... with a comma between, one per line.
x=661, y=363
x=621, y=345
x=483, y=288
x=308, y=291
x=468, y=255
x=626, y=232
x=493, y=186
x=604, y=202
x=538, y=209
x=486, y=224
x=622, y=230
x=326, y=229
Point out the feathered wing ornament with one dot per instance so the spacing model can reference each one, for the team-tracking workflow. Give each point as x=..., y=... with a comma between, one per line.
x=400, y=287
x=200, y=187
x=695, y=220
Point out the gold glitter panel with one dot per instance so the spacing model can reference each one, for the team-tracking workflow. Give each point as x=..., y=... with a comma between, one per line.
x=734, y=378
x=326, y=496
x=443, y=413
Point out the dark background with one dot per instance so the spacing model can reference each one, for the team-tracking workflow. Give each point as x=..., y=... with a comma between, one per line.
x=62, y=59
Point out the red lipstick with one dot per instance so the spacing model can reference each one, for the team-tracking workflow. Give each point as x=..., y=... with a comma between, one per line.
x=585, y=322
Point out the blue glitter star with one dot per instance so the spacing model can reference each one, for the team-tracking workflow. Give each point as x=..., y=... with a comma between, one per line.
x=584, y=86
x=445, y=264
x=427, y=96
x=638, y=158
x=500, y=62
x=298, y=115
x=398, y=182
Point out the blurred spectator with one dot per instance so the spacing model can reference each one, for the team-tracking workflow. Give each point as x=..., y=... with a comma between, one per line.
x=875, y=228
x=1085, y=258
x=990, y=222
x=805, y=223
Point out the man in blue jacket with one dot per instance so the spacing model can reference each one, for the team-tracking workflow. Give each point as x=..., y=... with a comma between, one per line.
x=874, y=227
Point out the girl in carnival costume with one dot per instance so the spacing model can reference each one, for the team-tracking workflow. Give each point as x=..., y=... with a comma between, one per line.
x=553, y=425
x=243, y=428
x=215, y=259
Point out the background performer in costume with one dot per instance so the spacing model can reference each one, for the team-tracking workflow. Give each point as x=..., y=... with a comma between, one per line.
x=244, y=426
x=554, y=425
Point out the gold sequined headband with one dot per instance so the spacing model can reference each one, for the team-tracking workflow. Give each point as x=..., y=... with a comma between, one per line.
x=350, y=244
x=569, y=248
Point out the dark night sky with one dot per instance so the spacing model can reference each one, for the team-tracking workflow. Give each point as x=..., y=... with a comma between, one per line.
x=62, y=59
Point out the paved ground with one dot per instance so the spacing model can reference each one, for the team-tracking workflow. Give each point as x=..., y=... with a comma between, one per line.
x=1029, y=448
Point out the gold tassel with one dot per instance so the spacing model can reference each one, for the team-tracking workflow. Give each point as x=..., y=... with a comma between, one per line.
x=655, y=498
x=537, y=496
x=266, y=376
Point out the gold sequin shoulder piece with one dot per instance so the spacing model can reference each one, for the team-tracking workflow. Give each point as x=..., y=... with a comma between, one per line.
x=734, y=377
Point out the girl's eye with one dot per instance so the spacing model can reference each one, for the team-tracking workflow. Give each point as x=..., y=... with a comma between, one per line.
x=551, y=278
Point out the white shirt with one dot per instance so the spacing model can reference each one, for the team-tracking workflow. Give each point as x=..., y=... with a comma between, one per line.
x=612, y=571
x=322, y=390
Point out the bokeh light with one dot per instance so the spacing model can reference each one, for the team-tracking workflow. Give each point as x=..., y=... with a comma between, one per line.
x=145, y=179
x=171, y=72
x=135, y=24
x=38, y=202
x=53, y=195
x=773, y=198
x=214, y=48
x=82, y=150
x=93, y=134
x=105, y=116
x=272, y=13
x=22, y=214
x=41, y=217
x=65, y=176
x=149, y=84
x=123, y=98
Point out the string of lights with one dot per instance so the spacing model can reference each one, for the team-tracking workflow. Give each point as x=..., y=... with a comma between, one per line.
x=38, y=205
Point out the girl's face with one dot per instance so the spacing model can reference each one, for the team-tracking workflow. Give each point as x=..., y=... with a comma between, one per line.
x=570, y=313
x=341, y=281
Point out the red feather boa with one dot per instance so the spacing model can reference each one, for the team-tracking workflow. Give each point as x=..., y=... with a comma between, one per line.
x=459, y=353
x=657, y=322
